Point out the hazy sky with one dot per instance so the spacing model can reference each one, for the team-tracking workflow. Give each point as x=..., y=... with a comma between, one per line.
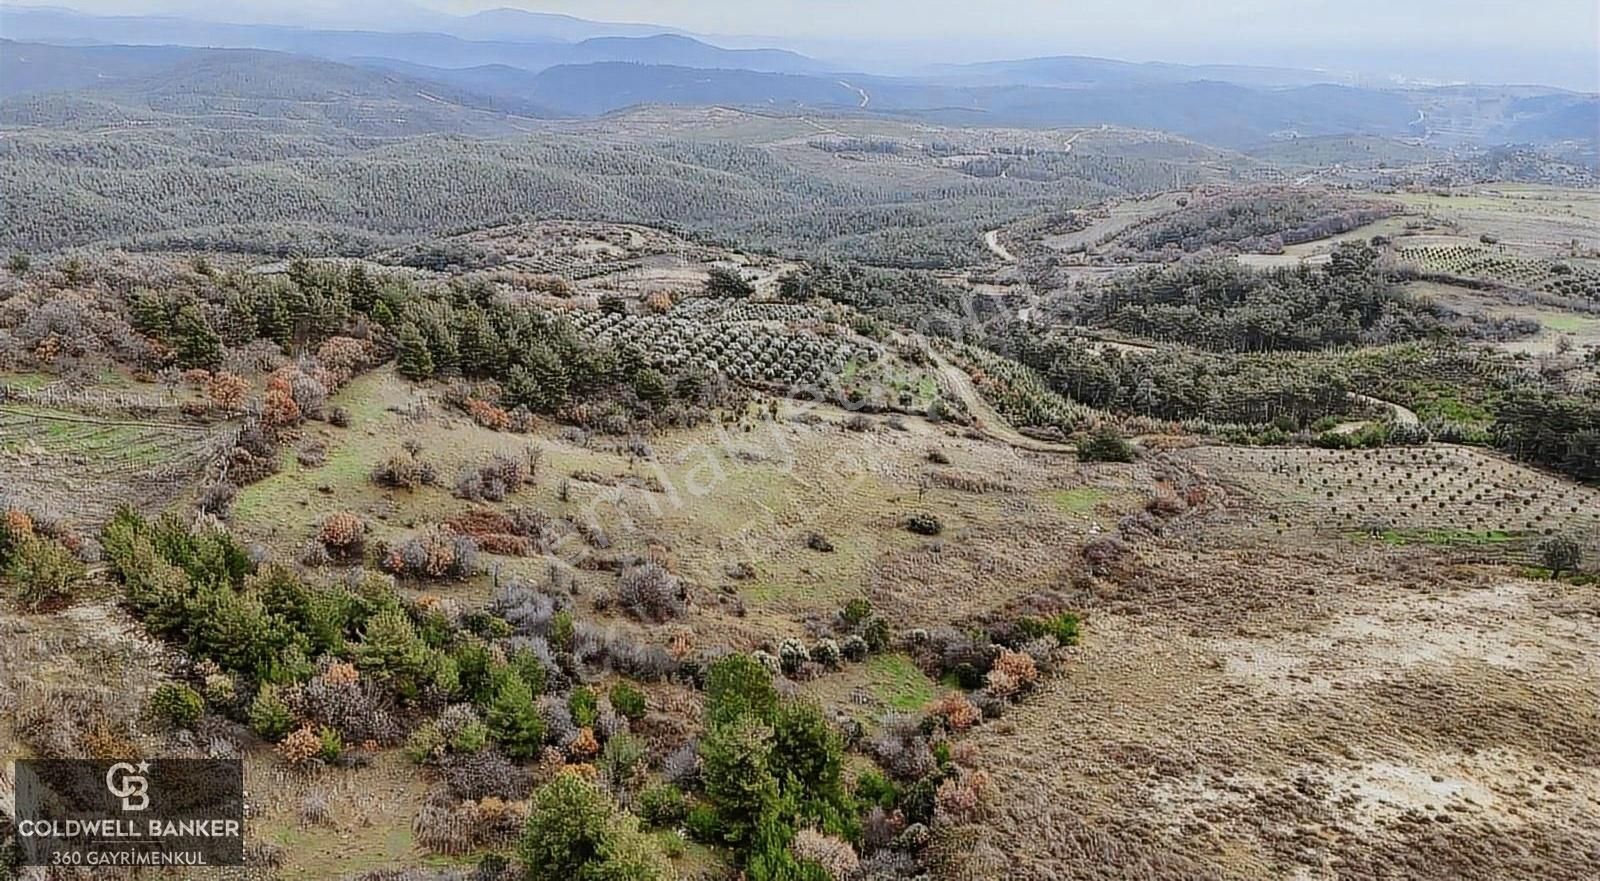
x=1477, y=39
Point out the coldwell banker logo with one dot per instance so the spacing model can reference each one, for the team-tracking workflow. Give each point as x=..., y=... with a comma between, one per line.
x=161, y=812
x=132, y=788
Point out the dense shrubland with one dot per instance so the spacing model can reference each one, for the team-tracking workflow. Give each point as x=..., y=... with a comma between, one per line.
x=918, y=300
x=1312, y=337
x=41, y=559
x=1551, y=427
x=345, y=320
x=540, y=729
x=1179, y=384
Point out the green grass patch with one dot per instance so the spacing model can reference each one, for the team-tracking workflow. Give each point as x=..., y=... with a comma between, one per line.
x=1540, y=573
x=323, y=852
x=1565, y=323
x=899, y=683
x=277, y=501
x=28, y=381
x=1446, y=537
x=1439, y=400
x=1079, y=500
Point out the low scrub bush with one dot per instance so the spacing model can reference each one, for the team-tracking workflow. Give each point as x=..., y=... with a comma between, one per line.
x=483, y=774
x=342, y=532
x=924, y=524
x=1064, y=627
x=628, y=700
x=432, y=553
x=833, y=855
x=300, y=746
x=269, y=714
x=403, y=470
x=649, y=592
x=956, y=711
x=663, y=806
x=1105, y=444
x=575, y=832
x=1560, y=554
x=176, y=705
x=43, y=573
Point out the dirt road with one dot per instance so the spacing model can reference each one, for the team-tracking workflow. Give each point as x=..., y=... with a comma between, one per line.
x=865, y=98
x=989, y=420
x=1402, y=415
x=991, y=240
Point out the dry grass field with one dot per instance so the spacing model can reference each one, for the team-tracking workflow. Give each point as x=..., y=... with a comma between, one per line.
x=1290, y=712
x=1262, y=691
x=718, y=496
x=1269, y=693
x=1542, y=219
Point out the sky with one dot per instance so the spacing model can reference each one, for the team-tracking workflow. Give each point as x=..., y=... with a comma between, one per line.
x=1552, y=41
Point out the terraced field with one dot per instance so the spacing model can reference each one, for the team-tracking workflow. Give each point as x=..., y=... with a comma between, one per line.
x=87, y=466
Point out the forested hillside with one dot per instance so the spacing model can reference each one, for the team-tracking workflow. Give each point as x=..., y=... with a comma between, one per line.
x=326, y=178
x=237, y=88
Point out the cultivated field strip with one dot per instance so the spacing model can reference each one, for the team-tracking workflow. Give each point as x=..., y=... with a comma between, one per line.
x=1550, y=276
x=1439, y=494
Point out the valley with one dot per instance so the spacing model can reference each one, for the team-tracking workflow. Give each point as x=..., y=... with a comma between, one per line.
x=536, y=448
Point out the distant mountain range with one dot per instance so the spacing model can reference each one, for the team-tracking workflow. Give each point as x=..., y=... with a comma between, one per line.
x=519, y=46
x=512, y=63
x=1080, y=70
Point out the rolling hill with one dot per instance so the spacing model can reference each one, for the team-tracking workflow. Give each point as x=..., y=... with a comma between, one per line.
x=237, y=89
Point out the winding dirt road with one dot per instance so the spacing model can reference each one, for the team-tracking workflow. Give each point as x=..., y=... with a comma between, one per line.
x=991, y=240
x=989, y=421
x=1402, y=416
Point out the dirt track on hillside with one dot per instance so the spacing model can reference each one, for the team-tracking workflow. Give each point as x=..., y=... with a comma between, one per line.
x=991, y=423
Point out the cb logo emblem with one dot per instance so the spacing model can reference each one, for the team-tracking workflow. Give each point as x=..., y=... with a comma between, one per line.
x=130, y=784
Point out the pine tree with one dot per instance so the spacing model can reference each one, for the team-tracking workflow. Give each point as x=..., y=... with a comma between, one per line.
x=239, y=321
x=151, y=314
x=414, y=360
x=739, y=685
x=269, y=715
x=479, y=345
x=725, y=282
x=391, y=647
x=566, y=825
x=196, y=343
x=542, y=384
x=363, y=290
x=513, y=719
x=272, y=315
x=737, y=774
x=651, y=386
x=441, y=340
